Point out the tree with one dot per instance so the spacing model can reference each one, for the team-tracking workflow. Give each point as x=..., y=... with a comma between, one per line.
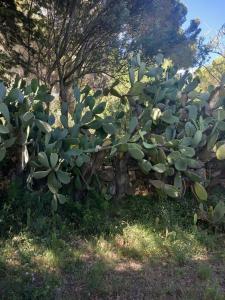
x=159, y=27
x=212, y=74
x=61, y=41
x=215, y=46
x=13, y=22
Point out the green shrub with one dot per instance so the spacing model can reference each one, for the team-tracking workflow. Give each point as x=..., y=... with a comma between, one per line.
x=20, y=208
x=169, y=140
x=204, y=272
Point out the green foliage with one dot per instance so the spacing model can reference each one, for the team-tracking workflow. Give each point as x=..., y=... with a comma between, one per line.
x=212, y=74
x=52, y=159
x=204, y=272
x=200, y=191
x=220, y=152
x=124, y=26
x=167, y=132
x=181, y=132
x=215, y=216
x=140, y=228
x=22, y=208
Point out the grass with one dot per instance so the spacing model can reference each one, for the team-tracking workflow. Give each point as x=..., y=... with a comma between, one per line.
x=145, y=251
x=204, y=271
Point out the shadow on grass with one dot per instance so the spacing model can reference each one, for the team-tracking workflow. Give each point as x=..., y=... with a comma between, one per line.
x=143, y=250
x=137, y=263
x=24, y=281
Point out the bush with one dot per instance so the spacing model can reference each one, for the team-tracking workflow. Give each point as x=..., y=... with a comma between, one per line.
x=169, y=141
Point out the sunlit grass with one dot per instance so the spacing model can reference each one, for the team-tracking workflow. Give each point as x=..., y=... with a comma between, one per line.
x=135, y=258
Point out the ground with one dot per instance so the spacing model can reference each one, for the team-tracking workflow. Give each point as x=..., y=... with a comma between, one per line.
x=137, y=259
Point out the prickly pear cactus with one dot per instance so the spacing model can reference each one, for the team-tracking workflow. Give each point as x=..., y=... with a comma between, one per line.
x=18, y=119
x=171, y=133
x=167, y=136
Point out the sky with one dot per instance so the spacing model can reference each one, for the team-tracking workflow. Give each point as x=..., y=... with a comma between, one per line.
x=210, y=12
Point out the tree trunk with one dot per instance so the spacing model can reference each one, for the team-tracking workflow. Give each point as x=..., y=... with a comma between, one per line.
x=121, y=176
x=66, y=97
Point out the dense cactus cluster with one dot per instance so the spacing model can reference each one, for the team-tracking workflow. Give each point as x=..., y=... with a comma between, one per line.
x=169, y=136
x=175, y=132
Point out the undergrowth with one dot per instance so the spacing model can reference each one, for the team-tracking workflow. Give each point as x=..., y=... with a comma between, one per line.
x=22, y=210
x=104, y=243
